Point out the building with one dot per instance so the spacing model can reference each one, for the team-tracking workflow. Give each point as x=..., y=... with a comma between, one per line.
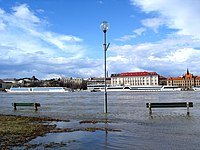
x=74, y=80
x=5, y=85
x=10, y=80
x=135, y=79
x=93, y=83
x=77, y=80
x=27, y=80
x=162, y=80
x=186, y=81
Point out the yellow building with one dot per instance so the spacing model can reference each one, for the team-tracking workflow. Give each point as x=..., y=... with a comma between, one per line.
x=187, y=81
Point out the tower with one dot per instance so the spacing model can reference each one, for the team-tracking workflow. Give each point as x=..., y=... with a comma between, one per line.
x=188, y=71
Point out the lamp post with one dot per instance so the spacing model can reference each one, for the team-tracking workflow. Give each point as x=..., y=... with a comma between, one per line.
x=104, y=27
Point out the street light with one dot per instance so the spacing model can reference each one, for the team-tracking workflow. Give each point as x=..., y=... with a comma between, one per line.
x=104, y=27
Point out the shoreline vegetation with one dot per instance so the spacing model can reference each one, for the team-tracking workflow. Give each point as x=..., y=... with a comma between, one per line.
x=18, y=130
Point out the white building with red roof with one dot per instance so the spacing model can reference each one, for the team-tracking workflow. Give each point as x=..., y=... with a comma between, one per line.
x=135, y=79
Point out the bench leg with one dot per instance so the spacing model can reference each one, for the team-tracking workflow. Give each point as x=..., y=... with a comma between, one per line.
x=188, y=108
x=14, y=106
x=150, y=111
x=35, y=105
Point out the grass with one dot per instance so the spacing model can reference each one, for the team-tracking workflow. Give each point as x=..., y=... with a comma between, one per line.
x=16, y=130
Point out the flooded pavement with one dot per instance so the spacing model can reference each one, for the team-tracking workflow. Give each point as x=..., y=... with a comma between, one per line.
x=164, y=129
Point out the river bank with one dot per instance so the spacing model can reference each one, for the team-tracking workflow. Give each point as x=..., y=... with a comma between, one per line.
x=18, y=130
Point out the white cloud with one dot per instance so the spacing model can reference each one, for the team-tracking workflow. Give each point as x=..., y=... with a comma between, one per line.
x=126, y=38
x=179, y=14
x=169, y=56
x=183, y=55
x=2, y=11
x=139, y=31
x=179, y=56
x=136, y=32
x=121, y=59
x=64, y=42
x=23, y=12
x=27, y=47
x=2, y=25
x=153, y=23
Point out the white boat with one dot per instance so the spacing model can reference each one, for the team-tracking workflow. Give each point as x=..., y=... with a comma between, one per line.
x=37, y=89
x=145, y=88
x=100, y=87
x=138, y=88
x=196, y=88
x=171, y=88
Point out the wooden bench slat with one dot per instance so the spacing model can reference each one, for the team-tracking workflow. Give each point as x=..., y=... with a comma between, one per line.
x=169, y=105
x=26, y=104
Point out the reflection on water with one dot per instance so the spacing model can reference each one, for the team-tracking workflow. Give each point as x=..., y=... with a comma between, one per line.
x=164, y=129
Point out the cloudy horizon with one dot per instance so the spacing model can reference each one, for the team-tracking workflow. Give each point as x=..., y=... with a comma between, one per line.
x=52, y=39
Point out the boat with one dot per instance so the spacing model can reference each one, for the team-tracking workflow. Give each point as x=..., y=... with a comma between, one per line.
x=100, y=88
x=171, y=88
x=112, y=88
x=95, y=87
x=196, y=88
x=95, y=90
x=37, y=89
x=145, y=88
x=115, y=88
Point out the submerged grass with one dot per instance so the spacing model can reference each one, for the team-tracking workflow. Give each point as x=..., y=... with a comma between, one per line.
x=17, y=130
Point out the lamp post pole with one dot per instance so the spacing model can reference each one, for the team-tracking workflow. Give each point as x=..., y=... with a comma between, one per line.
x=105, y=26
x=105, y=89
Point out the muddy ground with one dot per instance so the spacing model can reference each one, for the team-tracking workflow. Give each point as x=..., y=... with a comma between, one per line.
x=18, y=130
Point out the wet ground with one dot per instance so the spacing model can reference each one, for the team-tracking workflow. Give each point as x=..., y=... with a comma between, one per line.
x=128, y=126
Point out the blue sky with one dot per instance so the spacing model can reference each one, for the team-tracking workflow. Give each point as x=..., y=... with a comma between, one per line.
x=62, y=38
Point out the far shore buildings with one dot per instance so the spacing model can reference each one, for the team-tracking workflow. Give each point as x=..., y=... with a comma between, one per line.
x=186, y=81
x=128, y=79
x=138, y=79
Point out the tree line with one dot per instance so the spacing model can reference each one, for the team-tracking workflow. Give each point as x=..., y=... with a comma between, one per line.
x=53, y=83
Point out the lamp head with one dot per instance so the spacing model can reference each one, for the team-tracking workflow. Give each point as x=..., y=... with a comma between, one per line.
x=104, y=26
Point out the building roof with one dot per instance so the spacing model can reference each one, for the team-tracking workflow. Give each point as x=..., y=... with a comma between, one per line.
x=175, y=78
x=134, y=74
x=197, y=78
x=162, y=77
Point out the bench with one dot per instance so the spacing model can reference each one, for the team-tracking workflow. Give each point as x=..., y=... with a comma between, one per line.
x=169, y=105
x=35, y=105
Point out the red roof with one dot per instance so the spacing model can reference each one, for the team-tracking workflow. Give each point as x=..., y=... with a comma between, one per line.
x=177, y=78
x=162, y=77
x=137, y=73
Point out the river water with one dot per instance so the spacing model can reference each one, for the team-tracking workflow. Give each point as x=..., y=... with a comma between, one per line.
x=165, y=129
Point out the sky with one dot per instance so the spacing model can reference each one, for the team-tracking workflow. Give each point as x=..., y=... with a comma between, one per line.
x=62, y=38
